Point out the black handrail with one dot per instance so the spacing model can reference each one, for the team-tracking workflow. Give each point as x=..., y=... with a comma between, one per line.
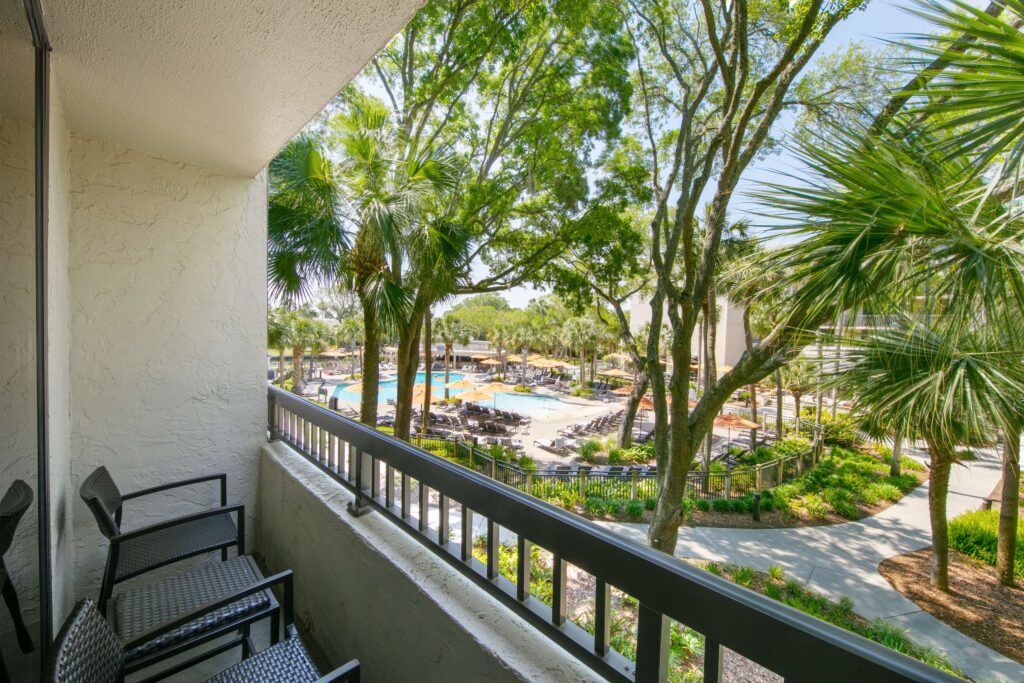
x=790, y=643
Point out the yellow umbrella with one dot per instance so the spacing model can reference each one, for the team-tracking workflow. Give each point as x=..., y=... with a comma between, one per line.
x=480, y=356
x=515, y=359
x=615, y=372
x=475, y=396
x=355, y=388
x=533, y=356
x=496, y=388
x=461, y=384
x=490, y=361
x=619, y=356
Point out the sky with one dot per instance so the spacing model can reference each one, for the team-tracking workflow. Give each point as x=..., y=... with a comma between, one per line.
x=881, y=22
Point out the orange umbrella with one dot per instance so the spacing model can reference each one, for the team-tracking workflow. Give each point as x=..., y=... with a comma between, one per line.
x=515, y=358
x=490, y=361
x=461, y=384
x=623, y=391
x=480, y=356
x=476, y=395
x=496, y=388
x=615, y=372
x=735, y=422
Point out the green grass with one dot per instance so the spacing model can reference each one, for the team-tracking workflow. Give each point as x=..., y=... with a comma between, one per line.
x=838, y=613
x=976, y=534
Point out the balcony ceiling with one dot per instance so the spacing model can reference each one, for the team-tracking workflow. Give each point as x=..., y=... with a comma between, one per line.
x=219, y=84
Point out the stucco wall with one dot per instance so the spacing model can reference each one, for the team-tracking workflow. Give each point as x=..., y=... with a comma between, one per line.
x=168, y=313
x=366, y=590
x=17, y=348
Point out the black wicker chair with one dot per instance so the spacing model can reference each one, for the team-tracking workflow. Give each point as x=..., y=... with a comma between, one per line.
x=141, y=608
x=138, y=551
x=89, y=651
x=13, y=506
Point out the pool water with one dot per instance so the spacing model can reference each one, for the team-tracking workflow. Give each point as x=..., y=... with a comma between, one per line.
x=526, y=404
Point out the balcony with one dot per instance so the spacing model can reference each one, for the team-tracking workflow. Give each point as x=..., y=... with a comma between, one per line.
x=381, y=536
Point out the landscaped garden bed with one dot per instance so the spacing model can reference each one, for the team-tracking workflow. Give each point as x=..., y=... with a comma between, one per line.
x=687, y=646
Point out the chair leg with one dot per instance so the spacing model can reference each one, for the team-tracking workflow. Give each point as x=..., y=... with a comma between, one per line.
x=247, y=648
x=11, y=598
x=275, y=627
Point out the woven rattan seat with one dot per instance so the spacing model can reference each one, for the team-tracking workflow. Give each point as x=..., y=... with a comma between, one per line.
x=140, y=609
x=286, y=662
x=86, y=650
x=167, y=545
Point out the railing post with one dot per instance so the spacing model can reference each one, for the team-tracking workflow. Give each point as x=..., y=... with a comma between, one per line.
x=529, y=482
x=727, y=486
x=271, y=416
x=780, y=471
x=494, y=468
x=652, y=646
x=583, y=483
x=757, y=476
x=358, y=507
x=634, y=479
x=712, y=661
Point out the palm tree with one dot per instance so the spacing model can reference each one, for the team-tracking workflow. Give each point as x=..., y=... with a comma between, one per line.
x=320, y=337
x=577, y=334
x=799, y=377
x=278, y=337
x=303, y=333
x=349, y=333
x=450, y=331
x=524, y=336
x=500, y=335
x=948, y=383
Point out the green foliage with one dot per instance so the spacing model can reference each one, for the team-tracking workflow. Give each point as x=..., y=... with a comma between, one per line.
x=595, y=506
x=976, y=534
x=635, y=510
x=615, y=456
x=522, y=389
x=651, y=503
x=703, y=505
x=721, y=505
x=588, y=449
x=840, y=430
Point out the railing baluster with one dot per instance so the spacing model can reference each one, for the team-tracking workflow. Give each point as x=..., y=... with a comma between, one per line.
x=374, y=478
x=467, y=533
x=405, y=496
x=652, y=645
x=389, y=486
x=602, y=617
x=424, y=506
x=558, y=580
x=712, y=661
x=523, y=569
x=493, y=541
x=442, y=519
x=351, y=462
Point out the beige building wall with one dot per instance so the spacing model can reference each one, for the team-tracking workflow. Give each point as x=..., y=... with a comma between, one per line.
x=729, y=343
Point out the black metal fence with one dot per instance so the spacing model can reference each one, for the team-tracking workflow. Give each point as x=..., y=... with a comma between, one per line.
x=421, y=495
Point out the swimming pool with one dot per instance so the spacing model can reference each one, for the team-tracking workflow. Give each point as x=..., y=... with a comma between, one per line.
x=527, y=404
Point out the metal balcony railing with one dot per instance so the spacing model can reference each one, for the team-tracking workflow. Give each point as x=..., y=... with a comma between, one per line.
x=384, y=473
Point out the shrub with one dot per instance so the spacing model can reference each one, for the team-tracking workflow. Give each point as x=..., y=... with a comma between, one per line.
x=881, y=491
x=588, y=449
x=743, y=505
x=686, y=505
x=595, y=506
x=615, y=506
x=815, y=506
x=522, y=389
x=721, y=505
x=744, y=576
x=775, y=572
x=635, y=509
x=841, y=501
x=583, y=392
x=717, y=467
x=841, y=430
x=614, y=456
x=976, y=534
x=638, y=453
x=651, y=503
x=703, y=505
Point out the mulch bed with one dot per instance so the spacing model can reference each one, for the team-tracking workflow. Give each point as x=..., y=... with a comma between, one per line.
x=977, y=605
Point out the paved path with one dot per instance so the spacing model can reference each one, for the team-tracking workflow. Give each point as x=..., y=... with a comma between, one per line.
x=842, y=560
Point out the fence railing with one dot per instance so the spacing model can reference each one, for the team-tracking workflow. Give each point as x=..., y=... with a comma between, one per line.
x=624, y=483
x=422, y=495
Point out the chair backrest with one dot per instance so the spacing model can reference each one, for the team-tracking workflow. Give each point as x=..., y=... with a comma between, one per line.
x=86, y=650
x=102, y=496
x=12, y=507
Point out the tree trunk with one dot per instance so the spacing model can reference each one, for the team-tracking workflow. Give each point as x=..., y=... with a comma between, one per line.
x=428, y=367
x=525, y=352
x=593, y=366
x=778, y=405
x=1008, y=508
x=897, y=453
x=371, y=368
x=447, y=374
x=818, y=394
x=748, y=338
x=298, y=352
x=280, y=367
x=583, y=368
x=408, y=363
x=625, y=439
x=938, y=487
x=796, y=406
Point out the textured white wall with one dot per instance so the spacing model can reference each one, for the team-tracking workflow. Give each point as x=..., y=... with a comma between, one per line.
x=168, y=319
x=17, y=348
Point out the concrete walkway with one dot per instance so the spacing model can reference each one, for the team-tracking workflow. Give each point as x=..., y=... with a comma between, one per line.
x=842, y=560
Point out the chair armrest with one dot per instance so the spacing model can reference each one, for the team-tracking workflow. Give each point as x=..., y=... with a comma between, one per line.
x=222, y=477
x=349, y=673
x=137, y=533
x=284, y=578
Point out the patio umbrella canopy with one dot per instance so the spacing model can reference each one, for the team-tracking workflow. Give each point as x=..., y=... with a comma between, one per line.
x=735, y=422
x=615, y=372
x=480, y=356
x=461, y=384
x=624, y=391
x=476, y=395
x=515, y=359
x=490, y=361
x=496, y=388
